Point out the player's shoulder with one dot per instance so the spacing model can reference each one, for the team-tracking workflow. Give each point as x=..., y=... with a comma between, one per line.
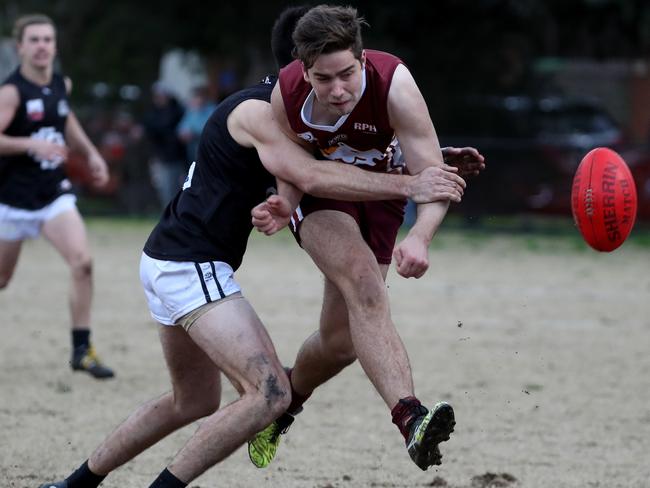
x=12, y=78
x=9, y=95
x=382, y=58
x=247, y=117
x=249, y=108
x=11, y=84
x=291, y=76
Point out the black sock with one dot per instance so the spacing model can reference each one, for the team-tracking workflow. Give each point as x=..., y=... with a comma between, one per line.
x=297, y=400
x=84, y=478
x=80, y=337
x=167, y=480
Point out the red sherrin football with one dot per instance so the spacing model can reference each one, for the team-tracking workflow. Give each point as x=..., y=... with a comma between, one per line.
x=603, y=199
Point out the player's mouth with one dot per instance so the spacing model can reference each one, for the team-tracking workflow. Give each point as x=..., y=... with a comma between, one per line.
x=340, y=104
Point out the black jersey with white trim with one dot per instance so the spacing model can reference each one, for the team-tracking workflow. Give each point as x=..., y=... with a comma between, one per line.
x=210, y=218
x=25, y=181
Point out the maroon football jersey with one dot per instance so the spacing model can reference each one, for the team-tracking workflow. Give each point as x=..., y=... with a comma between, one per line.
x=363, y=137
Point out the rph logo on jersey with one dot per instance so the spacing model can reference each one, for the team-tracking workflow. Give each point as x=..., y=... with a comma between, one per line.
x=362, y=126
x=35, y=109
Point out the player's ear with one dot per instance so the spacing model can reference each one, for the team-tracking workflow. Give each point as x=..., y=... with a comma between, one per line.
x=363, y=59
x=305, y=75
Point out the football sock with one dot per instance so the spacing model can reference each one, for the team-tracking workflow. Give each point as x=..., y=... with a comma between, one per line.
x=167, y=480
x=84, y=478
x=80, y=337
x=297, y=400
x=405, y=412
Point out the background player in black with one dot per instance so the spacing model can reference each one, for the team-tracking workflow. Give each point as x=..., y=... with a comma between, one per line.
x=36, y=127
x=208, y=327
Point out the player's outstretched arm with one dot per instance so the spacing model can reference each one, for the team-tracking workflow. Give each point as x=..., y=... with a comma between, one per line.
x=410, y=118
x=252, y=125
x=79, y=141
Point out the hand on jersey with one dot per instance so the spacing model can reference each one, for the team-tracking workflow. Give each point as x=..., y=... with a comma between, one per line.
x=467, y=159
x=43, y=150
x=437, y=183
x=98, y=169
x=411, y=257
x=272, y=215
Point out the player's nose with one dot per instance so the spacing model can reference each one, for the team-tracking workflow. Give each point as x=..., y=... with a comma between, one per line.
x=337, y=90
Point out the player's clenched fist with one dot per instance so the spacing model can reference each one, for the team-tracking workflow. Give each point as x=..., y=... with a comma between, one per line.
x=271, y=215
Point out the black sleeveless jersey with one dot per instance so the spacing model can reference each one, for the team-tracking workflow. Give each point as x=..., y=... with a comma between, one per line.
x=210, y=218
x=27, y=182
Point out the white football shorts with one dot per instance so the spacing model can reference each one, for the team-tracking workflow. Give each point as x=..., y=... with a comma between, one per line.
x=176, y=288
x=17, y=224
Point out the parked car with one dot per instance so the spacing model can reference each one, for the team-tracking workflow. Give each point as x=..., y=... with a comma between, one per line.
x=532, y=148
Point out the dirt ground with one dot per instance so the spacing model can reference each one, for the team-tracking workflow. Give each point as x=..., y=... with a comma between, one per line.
x=540, y=344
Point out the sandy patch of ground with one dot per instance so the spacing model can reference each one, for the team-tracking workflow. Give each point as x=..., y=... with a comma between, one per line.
x=540, y=345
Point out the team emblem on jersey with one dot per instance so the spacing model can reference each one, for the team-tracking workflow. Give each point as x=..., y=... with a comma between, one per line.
x=35, y=109
x=62, y=108
x=347, y=154
x=49, y=134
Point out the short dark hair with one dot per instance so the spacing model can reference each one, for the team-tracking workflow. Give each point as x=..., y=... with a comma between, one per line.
x=326, y=29
x=281, y=35
x=25, y=21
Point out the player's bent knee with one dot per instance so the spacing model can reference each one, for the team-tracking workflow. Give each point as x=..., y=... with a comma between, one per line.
x=343, y=357
x=204, y=408
x=369, y=292
x=197, y=407
x=339, y=351
x=275, y=395
x=277, y=391
x=363, y=276
x=82, y=267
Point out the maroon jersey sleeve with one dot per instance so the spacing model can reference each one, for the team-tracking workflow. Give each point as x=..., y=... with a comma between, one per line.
x=294, y=91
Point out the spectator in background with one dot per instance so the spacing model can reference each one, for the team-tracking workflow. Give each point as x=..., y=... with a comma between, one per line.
x=198, y=112
x=136, y=193
x=168, y=163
